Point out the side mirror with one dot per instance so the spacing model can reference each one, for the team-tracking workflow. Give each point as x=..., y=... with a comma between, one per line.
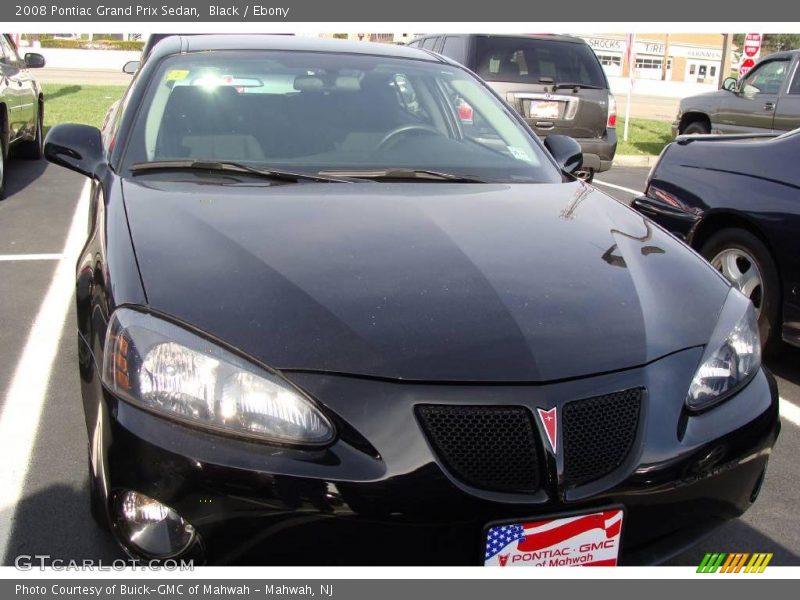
x=131, y=66
x=76, y=147
x=34, y=60
x=729, y=84
x=566, y=151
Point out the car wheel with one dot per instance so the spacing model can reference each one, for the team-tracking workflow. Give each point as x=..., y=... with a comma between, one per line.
x=34, y=149
x=746, y=262
x=696, y=127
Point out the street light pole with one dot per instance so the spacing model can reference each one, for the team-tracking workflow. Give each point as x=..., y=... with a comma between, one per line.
x=631, y=38
x=725, y=64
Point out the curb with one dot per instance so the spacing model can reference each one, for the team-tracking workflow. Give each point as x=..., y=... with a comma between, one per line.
x=635, y=160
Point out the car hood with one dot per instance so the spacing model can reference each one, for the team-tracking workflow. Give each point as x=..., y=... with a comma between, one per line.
x=422, y=281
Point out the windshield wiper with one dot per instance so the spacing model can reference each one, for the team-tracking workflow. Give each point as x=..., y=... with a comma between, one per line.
x=588, y=86
x=229, y=167
x=404, y=174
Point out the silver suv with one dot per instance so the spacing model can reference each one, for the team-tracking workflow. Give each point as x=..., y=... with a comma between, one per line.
x=554, y=81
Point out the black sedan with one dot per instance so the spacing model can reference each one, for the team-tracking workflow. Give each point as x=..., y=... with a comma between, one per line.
x=734, y=199
x=322, y=319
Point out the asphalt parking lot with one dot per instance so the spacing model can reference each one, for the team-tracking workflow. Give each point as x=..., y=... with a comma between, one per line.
x=47, y=513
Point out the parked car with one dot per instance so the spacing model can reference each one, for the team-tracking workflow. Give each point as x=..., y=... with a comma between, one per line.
x=765, y=100
x=317, y=309
x=734, y=199
x=555, y=82
x=21, y=106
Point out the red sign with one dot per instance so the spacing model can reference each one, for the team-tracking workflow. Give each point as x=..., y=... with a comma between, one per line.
x=747, y=64
x=752, y=45
x=751, y=49
x=465, y=112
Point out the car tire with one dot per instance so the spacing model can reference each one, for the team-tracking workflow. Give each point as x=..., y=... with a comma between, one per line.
x=696, y=127
x=34, y=149
x=739, y=247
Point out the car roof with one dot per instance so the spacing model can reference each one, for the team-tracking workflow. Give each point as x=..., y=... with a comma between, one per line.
x=781, y=54
x=154, y=38
x=557, y=37
x=198, y=43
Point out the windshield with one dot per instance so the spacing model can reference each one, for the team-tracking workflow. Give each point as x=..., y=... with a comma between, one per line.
x=310, y=112
x=529, y=60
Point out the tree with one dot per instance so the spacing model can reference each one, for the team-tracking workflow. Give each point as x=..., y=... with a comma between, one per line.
x=772, y=42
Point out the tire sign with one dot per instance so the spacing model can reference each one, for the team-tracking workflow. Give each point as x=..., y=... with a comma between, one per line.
x=750, y=52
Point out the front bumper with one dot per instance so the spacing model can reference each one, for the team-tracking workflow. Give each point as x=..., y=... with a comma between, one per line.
x=379, y=494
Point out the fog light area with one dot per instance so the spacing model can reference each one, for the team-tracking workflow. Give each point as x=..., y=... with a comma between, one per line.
x=152, y=528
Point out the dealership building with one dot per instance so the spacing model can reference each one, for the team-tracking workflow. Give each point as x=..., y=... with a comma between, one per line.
x=690, y=57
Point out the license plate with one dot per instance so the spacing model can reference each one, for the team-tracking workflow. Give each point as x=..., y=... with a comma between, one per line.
x=579, y=540
x=544, y=109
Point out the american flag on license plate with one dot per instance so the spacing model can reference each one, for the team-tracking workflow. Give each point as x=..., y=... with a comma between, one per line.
x=591, y=539
x=500, y=537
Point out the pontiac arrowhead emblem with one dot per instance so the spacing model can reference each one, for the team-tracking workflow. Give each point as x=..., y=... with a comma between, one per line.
x=549, y=419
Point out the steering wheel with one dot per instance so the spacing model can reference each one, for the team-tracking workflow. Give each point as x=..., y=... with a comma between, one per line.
x=403, y=129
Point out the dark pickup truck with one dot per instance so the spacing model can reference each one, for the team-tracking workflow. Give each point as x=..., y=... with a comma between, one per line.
x=765, y=100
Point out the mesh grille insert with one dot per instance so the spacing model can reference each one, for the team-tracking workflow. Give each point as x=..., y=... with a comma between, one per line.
x=598, y=434
x=488, y=447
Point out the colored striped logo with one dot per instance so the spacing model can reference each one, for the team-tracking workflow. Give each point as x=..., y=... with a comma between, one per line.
x=737, y=562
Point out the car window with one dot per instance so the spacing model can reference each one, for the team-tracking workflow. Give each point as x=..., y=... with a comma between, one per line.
x=528, y=60
x=113, y=119
x=407, y=97
x=455, y=47
x=767, y=78
x=794, y=88
x=429, y=43
x=313, y=112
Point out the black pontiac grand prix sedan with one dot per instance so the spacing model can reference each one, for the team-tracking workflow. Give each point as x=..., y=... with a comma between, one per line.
x=326, y=315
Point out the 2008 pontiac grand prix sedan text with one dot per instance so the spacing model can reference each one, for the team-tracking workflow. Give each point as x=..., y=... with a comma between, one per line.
x=326, y=315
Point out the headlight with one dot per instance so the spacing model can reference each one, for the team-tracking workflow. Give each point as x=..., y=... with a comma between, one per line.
x=169, y=370
x=732, y=356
